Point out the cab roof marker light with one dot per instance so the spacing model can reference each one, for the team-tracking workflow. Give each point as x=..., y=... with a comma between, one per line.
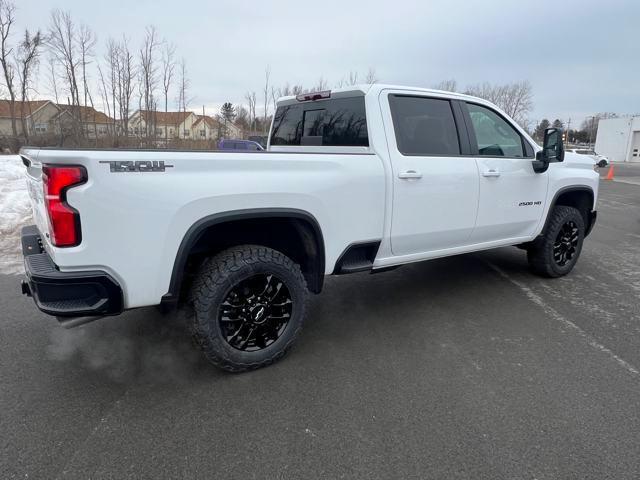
x=311, y=96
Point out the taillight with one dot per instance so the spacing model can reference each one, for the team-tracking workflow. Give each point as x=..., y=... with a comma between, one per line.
x=64, y=220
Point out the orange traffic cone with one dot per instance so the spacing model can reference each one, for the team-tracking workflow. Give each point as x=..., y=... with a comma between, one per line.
x=609, y=174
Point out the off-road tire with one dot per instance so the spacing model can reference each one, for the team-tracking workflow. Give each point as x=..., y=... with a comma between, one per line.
x=541, y=252
x=216, y=278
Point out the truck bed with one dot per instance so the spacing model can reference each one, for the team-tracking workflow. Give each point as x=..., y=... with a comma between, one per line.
x=137, y=205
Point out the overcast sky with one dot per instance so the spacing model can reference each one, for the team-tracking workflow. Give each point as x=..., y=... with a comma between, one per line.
x=581, y=57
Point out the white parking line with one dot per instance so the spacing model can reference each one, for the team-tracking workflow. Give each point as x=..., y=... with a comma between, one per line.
x=630, y=181
x=550, y=311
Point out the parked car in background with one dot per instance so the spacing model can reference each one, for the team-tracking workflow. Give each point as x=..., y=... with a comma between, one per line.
x=600, y=160
x=226, y=144
x=262, y=140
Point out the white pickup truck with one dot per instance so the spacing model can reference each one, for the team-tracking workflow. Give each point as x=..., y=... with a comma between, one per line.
x=358, y=179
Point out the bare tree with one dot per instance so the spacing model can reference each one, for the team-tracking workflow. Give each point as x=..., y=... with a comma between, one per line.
x=52, y=77
x=183, y=87
x=63, y=46
x=86, y=43
x=168, y=71
x=251, y=100
x=590, y=124
x=450, y=85
x=7, y=18
x=149, y=76
x=371, y=77
x=353, y=78
x=321, y=85
x=121, y=73
x=104, y=93
x=515, y=99
x=484, y=90
x=242, y=117
x=349, y=80
x=288, y=90
x=127, y=74
x=267, y=74
x=126, y=78
x=109, y=84
x=275, y=94
x=27, y=61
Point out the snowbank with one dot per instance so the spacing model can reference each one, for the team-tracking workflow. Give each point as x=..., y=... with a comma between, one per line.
x=15, y=212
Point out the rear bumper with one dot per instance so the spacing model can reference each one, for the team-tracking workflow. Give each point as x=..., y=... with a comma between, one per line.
x=592, y=221
x=66, y=294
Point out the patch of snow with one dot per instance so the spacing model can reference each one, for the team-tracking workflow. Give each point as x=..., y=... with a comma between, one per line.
x=15, y=213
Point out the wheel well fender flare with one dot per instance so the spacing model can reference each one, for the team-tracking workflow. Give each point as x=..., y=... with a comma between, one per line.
x=195, y=232
x=572, y=188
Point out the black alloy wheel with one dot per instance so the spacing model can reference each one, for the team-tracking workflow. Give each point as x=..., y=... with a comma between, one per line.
x=255, y=312
x=555, y=252
x=566, y=244
x=246, y=307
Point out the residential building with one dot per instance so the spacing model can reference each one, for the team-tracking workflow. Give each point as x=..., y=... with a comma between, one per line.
x=37, y=116
x=43, y=117
x=210, y=128
x=94, y=124
x=162, y=125
x=205, y=128
x=232, y=130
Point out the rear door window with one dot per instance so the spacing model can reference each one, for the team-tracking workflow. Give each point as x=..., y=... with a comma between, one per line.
x=424, y=126
x=333, y=122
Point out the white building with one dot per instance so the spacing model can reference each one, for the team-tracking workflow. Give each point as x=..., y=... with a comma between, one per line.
x=619, y=139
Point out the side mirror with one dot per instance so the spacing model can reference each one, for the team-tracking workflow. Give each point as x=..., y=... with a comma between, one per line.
x=552, y=150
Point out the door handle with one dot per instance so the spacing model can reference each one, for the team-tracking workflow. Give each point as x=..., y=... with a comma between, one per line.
x=409, y=174
x=491, y=173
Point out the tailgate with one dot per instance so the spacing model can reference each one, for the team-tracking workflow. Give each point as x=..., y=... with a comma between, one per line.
x=36, y=194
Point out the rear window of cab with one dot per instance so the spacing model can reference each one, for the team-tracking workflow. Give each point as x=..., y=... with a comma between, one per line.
x=334, y=122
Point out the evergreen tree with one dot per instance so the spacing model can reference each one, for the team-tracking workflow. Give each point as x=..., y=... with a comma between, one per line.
x=228, y=112
x=542, y=126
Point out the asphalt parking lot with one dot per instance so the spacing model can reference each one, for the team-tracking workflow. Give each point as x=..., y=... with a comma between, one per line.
x=467, y=367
